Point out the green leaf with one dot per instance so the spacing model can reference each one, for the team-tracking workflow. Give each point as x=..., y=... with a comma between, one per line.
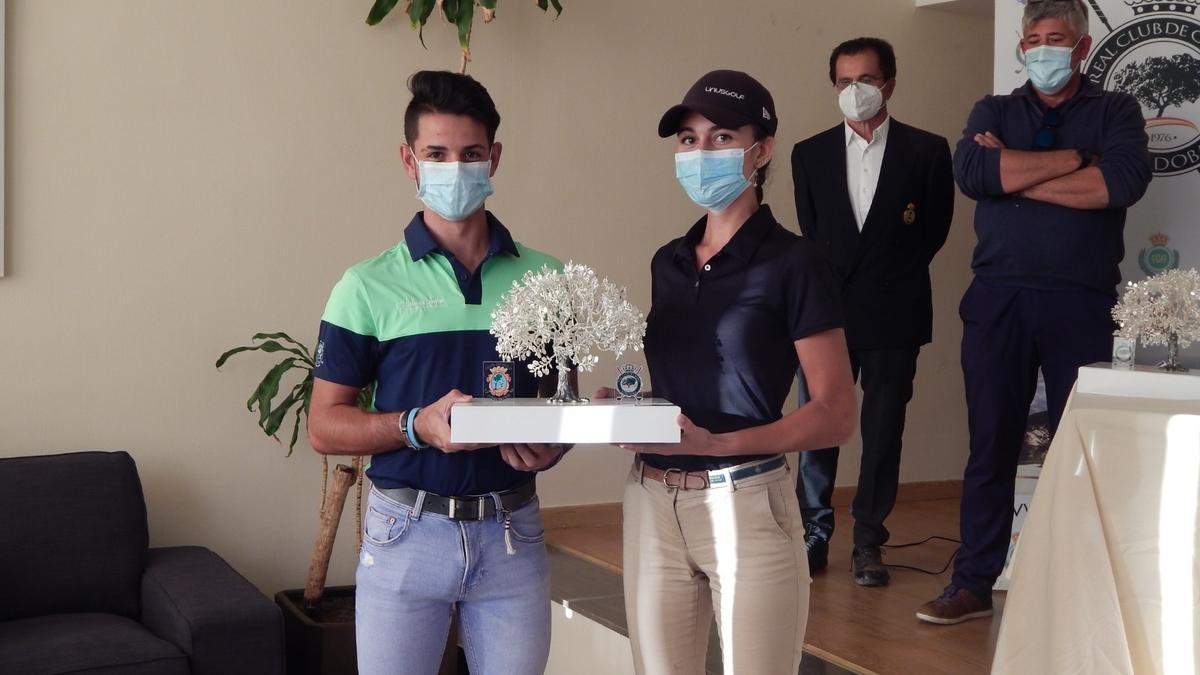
x=268, y=388
x=557, y=7
x=285, y=337
x=272, y=423
x=418, y=14
x=295, y=432
x=270, y=346
x=419, y=11
x=487, y=4
x=366, y=398
x=307, y=403
x=450, y=9
x=543, y=4
x=225, y=357
x=466, y=15
x=380, y=10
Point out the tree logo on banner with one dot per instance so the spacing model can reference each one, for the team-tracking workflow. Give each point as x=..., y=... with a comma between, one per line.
x=1155, y=57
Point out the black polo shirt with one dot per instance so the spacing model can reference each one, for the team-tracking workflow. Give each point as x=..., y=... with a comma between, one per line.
x=720, y=341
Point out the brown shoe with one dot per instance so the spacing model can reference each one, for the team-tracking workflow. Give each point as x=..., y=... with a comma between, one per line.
x=955, y=605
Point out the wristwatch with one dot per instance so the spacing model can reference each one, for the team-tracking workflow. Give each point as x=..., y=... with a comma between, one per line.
x=1085, y=158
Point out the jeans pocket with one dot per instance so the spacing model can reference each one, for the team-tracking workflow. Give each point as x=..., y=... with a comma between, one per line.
x=526, y=523
x=384, y=529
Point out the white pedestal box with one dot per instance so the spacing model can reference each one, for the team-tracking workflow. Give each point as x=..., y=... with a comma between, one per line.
x=1138, y=382
x=533, y=420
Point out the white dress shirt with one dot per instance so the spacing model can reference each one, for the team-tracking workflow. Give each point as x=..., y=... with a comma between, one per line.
x=863, y=163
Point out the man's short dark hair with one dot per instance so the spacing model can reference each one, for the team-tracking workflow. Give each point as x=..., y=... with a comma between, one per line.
x=882, y=49
x=441, y=91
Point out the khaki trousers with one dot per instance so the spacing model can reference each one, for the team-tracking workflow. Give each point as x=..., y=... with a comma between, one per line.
x=734, y=552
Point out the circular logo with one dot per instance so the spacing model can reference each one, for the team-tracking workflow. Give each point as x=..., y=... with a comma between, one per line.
x=629, y=384
x=1156, y=59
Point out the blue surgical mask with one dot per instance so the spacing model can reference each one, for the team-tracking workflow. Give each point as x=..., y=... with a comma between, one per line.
x=712, y=178
x=454, y=190
x=1049, y=67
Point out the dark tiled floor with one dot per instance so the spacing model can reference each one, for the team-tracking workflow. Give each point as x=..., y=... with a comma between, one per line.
x=595, y=592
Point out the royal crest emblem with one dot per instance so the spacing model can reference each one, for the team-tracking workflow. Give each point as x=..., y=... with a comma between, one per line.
x=629, y=382
x=1158, y=258
x=910, y=214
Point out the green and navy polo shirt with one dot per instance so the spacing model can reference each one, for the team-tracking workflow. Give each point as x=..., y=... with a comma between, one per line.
x=415, y=321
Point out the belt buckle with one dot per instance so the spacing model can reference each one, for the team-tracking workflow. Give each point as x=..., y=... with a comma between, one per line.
x=667, y=473
x=453, y=508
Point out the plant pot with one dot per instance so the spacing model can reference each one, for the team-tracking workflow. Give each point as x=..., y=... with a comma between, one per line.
x=318, y=647
x=315, y=647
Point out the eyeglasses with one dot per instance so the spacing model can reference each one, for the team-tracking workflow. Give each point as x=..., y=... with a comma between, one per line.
x=1045, y=137
x=865, y=79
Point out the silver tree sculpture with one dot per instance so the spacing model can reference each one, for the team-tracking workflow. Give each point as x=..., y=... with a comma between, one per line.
x=562, y=319
x=1162, y=310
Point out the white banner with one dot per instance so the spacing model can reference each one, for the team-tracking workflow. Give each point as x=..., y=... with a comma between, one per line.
x=1150, y=49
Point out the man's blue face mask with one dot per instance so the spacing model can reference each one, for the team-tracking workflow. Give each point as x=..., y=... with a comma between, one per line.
x=1050, y=67
x=454, y=190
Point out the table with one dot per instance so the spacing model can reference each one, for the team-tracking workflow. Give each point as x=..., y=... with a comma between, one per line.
x=1105, y=576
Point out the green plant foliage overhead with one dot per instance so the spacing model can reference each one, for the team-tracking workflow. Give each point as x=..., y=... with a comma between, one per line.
x=460, y=13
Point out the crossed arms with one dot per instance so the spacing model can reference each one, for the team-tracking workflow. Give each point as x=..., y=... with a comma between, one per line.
x=1116, y=177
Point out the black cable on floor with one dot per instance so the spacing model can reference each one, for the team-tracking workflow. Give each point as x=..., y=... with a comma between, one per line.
x=918, y=543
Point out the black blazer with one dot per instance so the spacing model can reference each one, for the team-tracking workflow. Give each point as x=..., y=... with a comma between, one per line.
x=884, y=269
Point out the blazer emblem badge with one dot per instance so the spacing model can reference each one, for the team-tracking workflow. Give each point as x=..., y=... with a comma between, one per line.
x=910, y=214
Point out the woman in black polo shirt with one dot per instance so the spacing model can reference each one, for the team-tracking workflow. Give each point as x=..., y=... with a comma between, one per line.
x=738, y=304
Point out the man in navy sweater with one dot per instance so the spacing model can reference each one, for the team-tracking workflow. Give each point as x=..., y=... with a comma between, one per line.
x=1053, y=167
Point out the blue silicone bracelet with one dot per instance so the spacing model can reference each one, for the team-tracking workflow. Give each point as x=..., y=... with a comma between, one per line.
x=411, y=432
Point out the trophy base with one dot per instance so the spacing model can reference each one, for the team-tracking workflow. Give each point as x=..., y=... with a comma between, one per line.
x=531, y=420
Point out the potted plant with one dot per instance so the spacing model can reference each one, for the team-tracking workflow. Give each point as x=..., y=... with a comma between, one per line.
x=459, y=13
x=319, y=621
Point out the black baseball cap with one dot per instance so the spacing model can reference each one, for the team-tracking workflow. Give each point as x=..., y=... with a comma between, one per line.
x=730, y=98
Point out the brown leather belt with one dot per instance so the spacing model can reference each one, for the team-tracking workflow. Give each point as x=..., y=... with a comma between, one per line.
x=702, y=480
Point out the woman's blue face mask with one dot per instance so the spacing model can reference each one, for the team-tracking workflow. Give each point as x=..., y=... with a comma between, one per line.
x=712, y=179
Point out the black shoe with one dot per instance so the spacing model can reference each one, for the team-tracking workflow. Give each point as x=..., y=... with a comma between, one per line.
x=869, y=569
x=818, y=549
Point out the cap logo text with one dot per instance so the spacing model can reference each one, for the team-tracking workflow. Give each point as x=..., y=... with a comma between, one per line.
x=724, y=92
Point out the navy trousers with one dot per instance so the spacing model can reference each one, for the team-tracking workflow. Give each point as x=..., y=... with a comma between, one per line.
x=1008, y=333
x=886, y=376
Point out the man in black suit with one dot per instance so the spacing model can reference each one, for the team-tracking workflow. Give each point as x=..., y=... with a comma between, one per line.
x=877, y=197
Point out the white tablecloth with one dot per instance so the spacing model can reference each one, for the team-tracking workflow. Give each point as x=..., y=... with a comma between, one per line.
x=1105, y=577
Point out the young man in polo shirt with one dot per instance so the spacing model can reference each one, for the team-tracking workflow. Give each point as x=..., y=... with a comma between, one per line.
x=446, y=524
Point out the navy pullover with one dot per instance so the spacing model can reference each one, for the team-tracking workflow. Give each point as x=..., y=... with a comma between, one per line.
x=1028, y=243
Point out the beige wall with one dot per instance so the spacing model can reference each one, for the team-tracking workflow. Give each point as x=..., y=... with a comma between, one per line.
x=185, y=174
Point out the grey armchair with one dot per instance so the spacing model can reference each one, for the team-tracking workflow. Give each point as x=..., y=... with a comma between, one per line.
x=81, y=592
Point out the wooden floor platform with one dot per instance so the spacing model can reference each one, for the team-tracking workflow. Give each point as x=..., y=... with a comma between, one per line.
x=864, y=630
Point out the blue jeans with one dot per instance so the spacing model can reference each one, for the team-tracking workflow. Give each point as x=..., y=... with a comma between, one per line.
x=415, y=566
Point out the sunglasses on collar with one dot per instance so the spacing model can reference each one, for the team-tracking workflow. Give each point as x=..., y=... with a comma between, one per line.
x=1052, y=119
